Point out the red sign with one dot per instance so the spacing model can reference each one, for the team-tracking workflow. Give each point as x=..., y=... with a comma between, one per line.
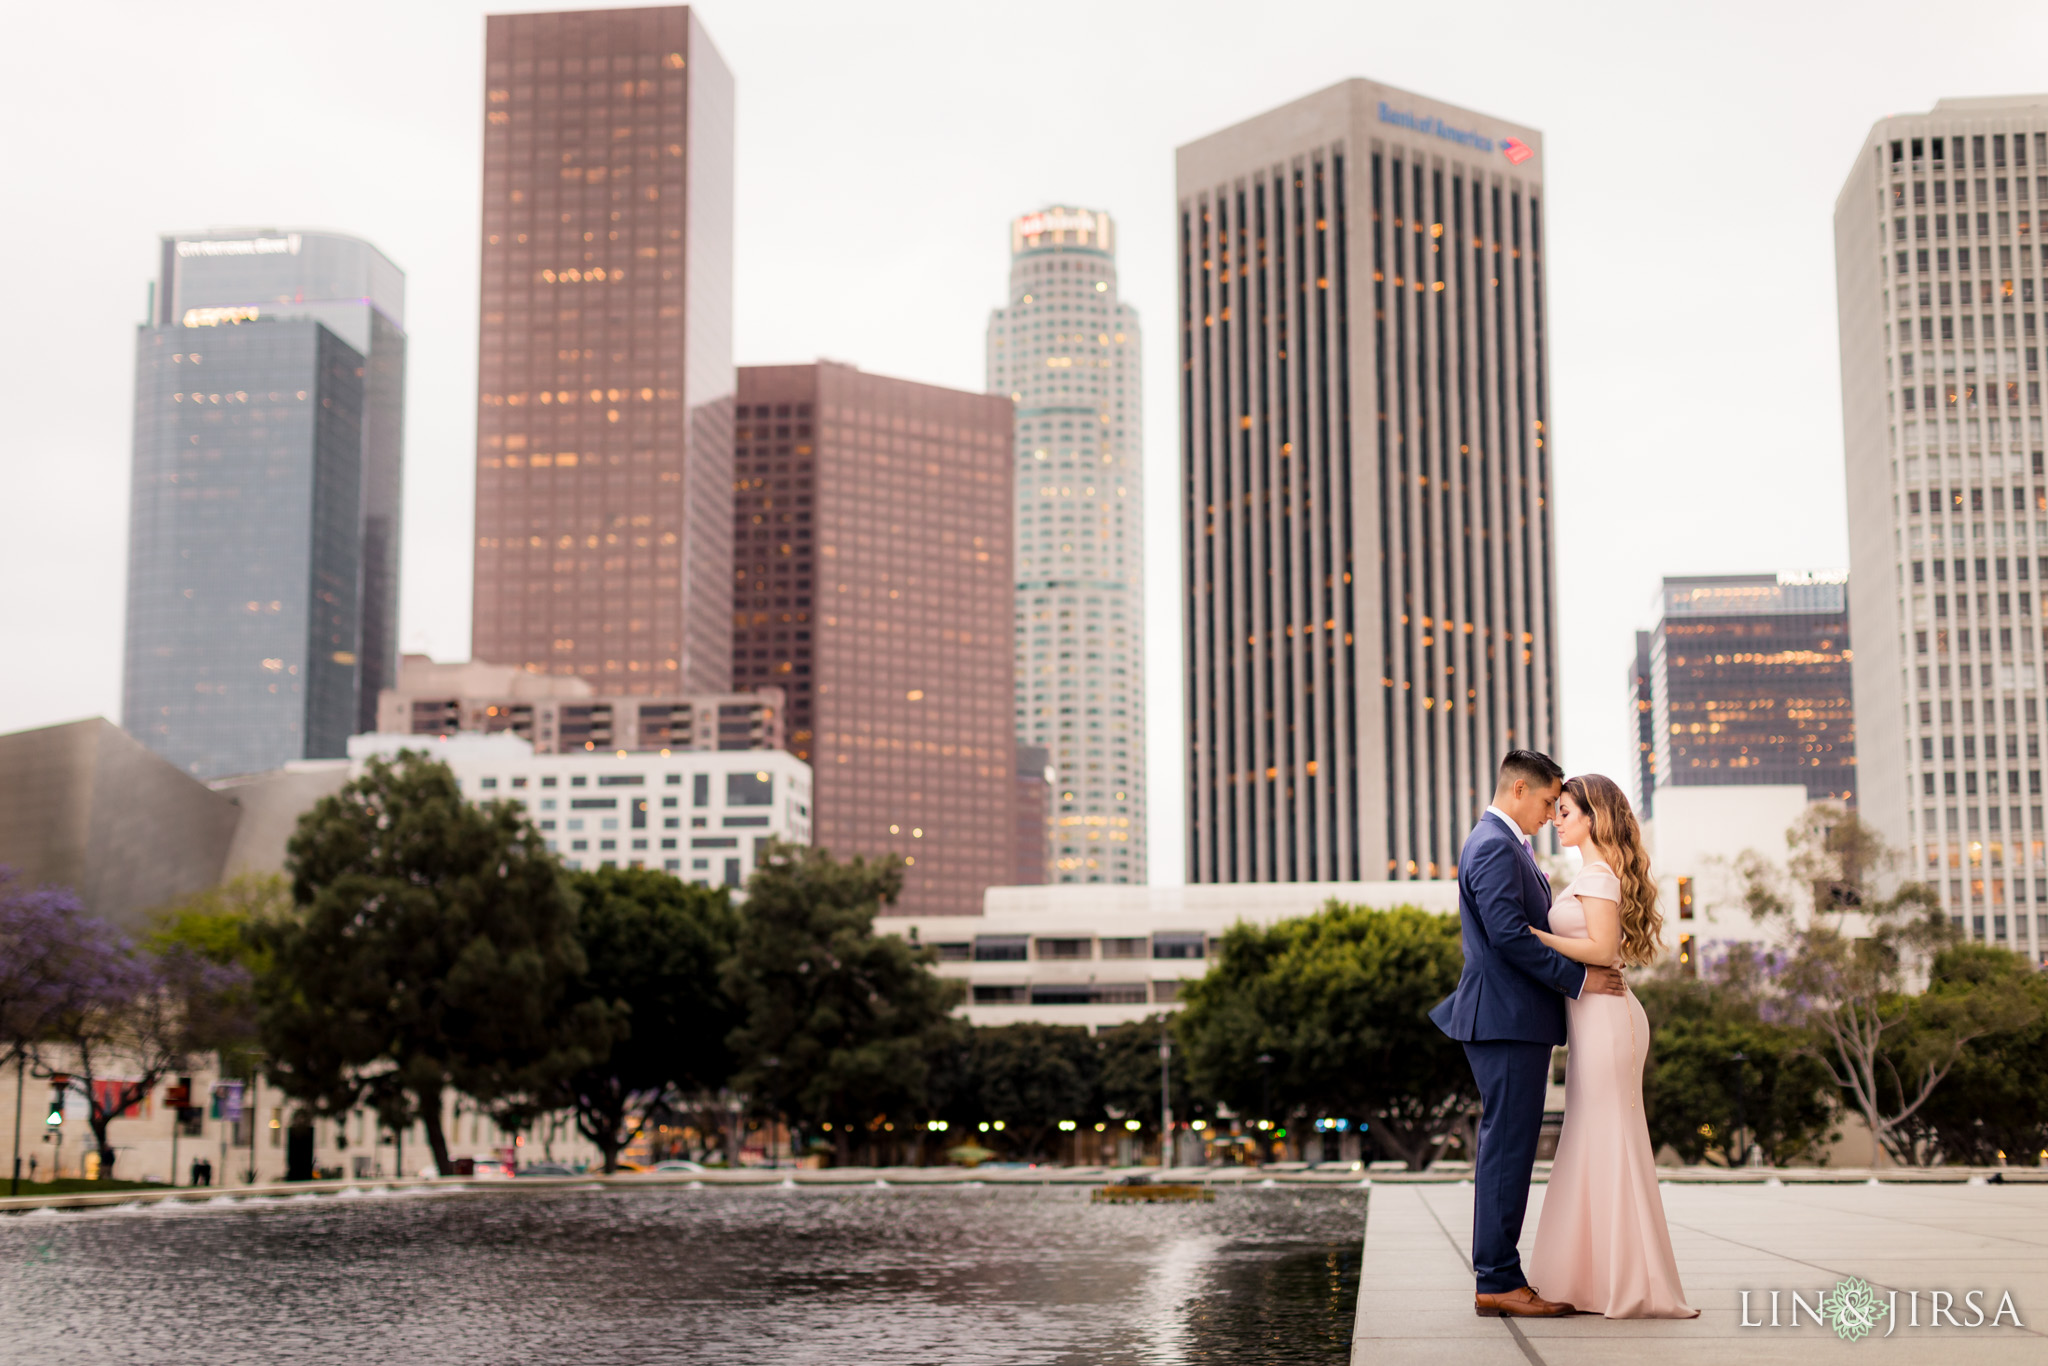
x=107, y=1094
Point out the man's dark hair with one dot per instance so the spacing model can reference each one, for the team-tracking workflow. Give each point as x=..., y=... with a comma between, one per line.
x=1540, y=769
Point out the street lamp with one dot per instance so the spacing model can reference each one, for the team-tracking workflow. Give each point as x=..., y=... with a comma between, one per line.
x=1165, y=1098
x=1266, y=1102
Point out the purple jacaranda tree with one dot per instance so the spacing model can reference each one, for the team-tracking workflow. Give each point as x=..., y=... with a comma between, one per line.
x=77, y=997
x=43, y=954
x=140, y=1017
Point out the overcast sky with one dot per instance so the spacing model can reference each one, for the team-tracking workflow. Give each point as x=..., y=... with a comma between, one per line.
x=1693, y=158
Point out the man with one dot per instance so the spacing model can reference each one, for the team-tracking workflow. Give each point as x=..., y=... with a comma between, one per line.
x=1508, y=1011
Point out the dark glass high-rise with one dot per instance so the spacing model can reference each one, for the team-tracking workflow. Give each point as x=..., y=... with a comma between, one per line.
x=1750, y=684
x=264, y=521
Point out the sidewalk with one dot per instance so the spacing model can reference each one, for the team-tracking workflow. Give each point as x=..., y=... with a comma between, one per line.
x=1415, y=1286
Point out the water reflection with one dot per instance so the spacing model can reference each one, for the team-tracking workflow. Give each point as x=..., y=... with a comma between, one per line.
x=1035, y=1275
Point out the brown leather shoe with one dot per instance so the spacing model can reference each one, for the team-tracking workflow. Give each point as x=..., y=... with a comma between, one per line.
x=1524, y=1303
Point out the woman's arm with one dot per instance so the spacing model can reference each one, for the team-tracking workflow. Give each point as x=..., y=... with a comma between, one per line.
x=1603, y=933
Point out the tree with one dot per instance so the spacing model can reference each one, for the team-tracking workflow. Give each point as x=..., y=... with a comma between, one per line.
x=432, y=949
x=1993, y=1106
x=838, y=1024
x=1731, y=1085
x=1339, y=1002
x=137, y=1015
x=80, y=998
x=1129, y=1072
x=46, y=956
x=653, y=949
x=1885, y=1051
x=1029, y=1077
x=223, y=925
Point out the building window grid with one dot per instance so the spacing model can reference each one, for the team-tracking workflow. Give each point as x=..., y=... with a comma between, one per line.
x=1416, y=820
x=1106, y=794
x=1982, y=864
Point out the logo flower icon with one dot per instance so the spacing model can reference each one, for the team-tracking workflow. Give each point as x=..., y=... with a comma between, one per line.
x=1852, y=1309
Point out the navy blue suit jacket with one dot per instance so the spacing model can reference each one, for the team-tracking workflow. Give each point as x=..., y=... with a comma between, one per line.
x=1514, y=985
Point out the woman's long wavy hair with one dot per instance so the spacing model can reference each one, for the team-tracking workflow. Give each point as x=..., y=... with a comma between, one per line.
x=1615, y=830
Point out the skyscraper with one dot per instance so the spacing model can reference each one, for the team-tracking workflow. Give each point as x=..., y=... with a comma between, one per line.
x=1939, y=284
x=1366, y=525
x=1065, y=351
x=605, y=379
x=871, y=582
x=1748, y=682
x=1642, y=731
x=264, y=523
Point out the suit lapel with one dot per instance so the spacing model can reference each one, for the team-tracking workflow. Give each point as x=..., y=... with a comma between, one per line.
x=1537, y=886
x=1528, y=859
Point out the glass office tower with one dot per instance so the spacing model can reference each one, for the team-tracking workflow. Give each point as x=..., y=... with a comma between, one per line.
x=264, y=524
x=1749, y=683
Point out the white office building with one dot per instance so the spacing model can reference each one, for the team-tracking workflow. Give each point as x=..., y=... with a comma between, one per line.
x=1367, y=494
x=1939, y=284
x=1108, y=955
x=700, y=814
x=1065, y=349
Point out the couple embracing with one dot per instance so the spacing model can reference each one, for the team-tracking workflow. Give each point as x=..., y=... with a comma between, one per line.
x=1537, y=974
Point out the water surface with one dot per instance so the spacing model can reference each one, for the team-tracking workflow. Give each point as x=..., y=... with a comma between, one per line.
x=812, y=1274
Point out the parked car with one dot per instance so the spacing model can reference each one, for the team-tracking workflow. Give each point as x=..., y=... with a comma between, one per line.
x=678, y=1166
x=545, y=1169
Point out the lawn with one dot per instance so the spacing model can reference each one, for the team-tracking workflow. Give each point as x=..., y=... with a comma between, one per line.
x=75, y=1186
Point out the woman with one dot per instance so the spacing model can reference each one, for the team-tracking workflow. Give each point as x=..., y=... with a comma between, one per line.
x=1602, y=1243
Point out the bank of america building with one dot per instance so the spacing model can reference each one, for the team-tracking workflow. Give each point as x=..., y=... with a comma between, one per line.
x=1939, y=281
x=1369, y=595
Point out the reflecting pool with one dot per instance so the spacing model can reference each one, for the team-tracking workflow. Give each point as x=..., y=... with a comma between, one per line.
x=778, y=1275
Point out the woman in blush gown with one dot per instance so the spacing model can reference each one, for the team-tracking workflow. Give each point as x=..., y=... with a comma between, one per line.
x=1602, y=1243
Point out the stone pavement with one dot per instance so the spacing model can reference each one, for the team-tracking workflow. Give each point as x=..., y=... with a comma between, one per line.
x=1415, y=1288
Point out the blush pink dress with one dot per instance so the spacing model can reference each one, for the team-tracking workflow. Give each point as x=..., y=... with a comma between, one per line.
x=1602, y=1243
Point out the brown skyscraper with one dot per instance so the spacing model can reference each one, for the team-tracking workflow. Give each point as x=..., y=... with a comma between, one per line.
x=872, y=583
x=605, y=384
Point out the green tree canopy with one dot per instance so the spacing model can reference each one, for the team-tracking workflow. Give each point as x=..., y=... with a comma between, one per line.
x=1845, y=966
x=653, y=949
x=433, y=948
x=1726, y=1085
x=1993, y=1106
x=1339, y=1002
x=838, y=1024
x=1028, y=1076
x=225, y=925
x=1128, y=1087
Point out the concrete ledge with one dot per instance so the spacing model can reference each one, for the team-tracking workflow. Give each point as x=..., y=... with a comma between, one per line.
x=1348, y=1174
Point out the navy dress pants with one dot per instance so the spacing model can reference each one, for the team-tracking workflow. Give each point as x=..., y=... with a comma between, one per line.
x=1512, y=1077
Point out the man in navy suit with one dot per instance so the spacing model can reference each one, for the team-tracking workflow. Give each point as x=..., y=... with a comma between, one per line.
x=1508, y=1011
